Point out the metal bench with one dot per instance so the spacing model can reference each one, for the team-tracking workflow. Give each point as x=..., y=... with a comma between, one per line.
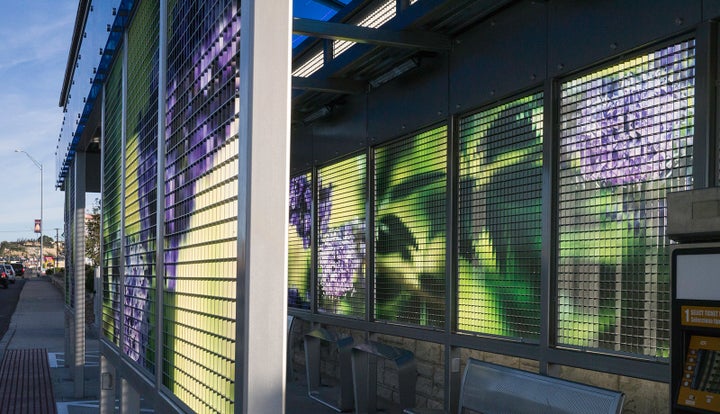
x=364, y=366
x=338, y=398
x=491, y=388
x=25, y=382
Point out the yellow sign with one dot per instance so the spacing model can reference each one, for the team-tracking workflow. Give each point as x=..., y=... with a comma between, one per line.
x=700, y=385
x=703, y=316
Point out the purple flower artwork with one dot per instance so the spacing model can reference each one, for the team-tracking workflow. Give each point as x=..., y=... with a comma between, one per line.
x=201, y=109
x=136, y=304
x=301, y=207
x=627, y=120
x=329, y=206
x=324, y=206
x=339, y=257
x=627, y=135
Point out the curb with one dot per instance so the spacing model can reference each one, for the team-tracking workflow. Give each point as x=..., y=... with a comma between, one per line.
x=6, y=339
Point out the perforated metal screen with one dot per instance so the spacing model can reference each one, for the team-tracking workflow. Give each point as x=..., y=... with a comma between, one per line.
x=410, y=220
x=70, y=237
x=111, y=199
x=299, y=240
x=201, y=203
x=499, y=216
x=139, y=341
x=626, y=140
x=342, y=195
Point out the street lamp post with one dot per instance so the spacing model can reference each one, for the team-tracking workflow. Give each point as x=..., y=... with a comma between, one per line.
x=39, y=165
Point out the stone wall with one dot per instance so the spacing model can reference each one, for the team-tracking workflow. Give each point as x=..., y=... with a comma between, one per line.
x=641, y=396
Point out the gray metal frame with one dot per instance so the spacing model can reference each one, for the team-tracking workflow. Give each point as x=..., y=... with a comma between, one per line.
x=537, y=54
x=567, y=58
x=263, y=159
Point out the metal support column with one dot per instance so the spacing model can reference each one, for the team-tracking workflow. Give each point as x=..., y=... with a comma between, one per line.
x=130, y=399
x=107, y=386
x=160, y=192
x=263, y=185
x=78, y=364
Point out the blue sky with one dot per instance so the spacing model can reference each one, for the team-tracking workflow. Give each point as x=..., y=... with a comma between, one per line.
x=35, y=38
x=34, y=41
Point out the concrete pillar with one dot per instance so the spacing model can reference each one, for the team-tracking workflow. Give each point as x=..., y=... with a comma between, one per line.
x=107, y=386
x=69, y=332
x=130, y=398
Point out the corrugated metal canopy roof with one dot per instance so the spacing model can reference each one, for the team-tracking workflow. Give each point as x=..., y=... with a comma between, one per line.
x=340, y=47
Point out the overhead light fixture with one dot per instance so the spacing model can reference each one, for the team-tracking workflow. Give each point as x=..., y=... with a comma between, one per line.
x=320, y=113
x=393, y=73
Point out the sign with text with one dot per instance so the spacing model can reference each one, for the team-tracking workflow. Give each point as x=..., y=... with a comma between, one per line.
x=700, y=385
x=38, y=226
x=703, y=316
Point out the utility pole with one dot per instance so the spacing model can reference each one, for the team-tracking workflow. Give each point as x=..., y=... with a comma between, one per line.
x=40, y=227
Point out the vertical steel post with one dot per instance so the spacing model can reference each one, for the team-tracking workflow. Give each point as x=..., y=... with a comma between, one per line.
x=160, y=192
x=263, y=185
x=78, y=364
x=130, y=399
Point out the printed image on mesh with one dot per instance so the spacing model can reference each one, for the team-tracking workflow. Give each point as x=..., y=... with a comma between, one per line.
x=410, y=220
x=626, y=140
x=341, y=259
x=499, y=216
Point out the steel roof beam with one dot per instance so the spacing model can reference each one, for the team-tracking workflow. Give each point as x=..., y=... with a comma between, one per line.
x=331, y=85
x=331, y=4
x=403, y=39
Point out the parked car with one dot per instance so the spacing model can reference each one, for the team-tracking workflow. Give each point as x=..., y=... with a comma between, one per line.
x=10, y=272
x=19, y=268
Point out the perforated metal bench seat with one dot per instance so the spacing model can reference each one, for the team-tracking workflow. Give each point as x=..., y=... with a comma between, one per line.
x=491, y=388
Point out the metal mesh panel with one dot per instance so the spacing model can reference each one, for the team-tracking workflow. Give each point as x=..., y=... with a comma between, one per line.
x=201, y=203
x=341, y=259
x=500, y=202
x=111, y=219
x=299, y=241
x=410, y=219
x=139, y=316
x=70, y=228
x=626, y=141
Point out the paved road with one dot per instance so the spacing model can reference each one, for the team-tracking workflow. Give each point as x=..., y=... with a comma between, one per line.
x=8, y=301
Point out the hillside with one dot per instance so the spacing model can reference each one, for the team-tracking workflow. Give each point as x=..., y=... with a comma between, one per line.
x=27, y=251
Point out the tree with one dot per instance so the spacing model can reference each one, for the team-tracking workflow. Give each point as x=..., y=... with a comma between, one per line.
x=92, y=235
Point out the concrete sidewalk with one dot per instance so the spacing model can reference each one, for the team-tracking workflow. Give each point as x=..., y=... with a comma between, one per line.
x=39, y=322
